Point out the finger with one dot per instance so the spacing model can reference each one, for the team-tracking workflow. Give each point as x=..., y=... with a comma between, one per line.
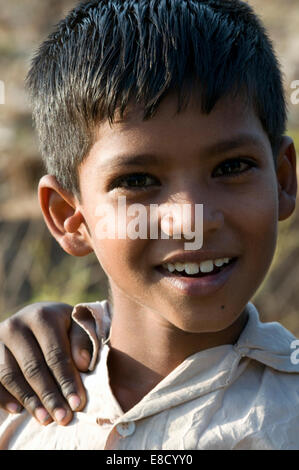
x=40, y=389
x=8, y=402
x=13, y=384
x=81, y=347
x=55, y=346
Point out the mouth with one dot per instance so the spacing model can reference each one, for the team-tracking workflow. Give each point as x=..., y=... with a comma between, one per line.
x=195, y=270
x=197, y=278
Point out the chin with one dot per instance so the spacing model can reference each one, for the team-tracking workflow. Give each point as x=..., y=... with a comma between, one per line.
x=200, y=319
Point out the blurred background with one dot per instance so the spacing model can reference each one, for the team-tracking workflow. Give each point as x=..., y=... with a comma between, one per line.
x=32, y=265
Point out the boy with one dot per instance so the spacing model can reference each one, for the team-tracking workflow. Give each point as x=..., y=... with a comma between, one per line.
x=169, y=102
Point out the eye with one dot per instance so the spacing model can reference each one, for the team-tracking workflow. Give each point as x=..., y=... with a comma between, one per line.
x=234, y=167
x=134, y=181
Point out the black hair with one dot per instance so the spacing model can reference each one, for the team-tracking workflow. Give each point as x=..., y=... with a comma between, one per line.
x=107, y=53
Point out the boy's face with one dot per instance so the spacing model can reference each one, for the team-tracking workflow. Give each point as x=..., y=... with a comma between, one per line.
x=191, y=163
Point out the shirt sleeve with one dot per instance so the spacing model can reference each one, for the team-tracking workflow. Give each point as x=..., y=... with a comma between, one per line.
x=95, y=319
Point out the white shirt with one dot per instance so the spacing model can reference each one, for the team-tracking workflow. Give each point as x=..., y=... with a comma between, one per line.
x=242, y=396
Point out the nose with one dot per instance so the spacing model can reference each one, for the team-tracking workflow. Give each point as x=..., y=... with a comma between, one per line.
x=190, y=212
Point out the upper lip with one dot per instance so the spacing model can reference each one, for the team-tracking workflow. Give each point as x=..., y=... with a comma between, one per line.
x=196, y=256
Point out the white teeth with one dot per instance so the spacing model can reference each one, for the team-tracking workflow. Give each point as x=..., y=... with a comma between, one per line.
x=179, y=267
x=194, y=268
x=170, y=267
x=219, y=262
x=191, y=268
x=206, y=266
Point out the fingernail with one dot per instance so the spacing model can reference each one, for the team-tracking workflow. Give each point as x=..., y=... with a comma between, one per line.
x=42, y=415
x=12, y=407
x=59, y=414
x=85, y=354
x=74, y=402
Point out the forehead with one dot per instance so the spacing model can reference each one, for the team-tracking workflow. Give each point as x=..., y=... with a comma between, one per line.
x=230, y=124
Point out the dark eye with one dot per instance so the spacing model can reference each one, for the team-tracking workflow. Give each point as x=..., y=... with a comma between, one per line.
x=134, y=181
x=234, y=167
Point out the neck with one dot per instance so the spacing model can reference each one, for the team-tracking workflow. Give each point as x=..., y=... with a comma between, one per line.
x=145, y=349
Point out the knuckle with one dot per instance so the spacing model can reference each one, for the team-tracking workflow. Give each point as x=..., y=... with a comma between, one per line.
x=8, y=327
x=31, y=369
x=49, y=398
x=8, y=378
x=41, y=314
x=56, y=357
x=67, y=385
x=28, y=400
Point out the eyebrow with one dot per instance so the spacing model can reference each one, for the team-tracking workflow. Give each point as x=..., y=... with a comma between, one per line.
x=239, y=141
x=130, y=160
x=217, y=148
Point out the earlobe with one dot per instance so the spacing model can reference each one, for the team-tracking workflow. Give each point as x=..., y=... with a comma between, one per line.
x=286, y=178
x=63, y=217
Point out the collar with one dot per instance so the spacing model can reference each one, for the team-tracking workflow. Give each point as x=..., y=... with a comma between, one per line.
x=269, y=343
x=202, y=372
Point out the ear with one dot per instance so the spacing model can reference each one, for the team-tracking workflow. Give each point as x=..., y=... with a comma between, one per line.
x=286, y=178
x=63, y=217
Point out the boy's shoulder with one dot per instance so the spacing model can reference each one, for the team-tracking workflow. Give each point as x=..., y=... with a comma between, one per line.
x=95, y=319
x=269, y=343
x=242, y=396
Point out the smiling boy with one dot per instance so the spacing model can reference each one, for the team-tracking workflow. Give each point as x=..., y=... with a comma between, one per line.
x=187, y=364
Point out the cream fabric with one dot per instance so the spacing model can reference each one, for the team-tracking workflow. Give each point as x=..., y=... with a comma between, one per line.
x=242, y=396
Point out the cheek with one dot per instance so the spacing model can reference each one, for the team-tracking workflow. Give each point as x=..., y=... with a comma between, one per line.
x=255, y=210
x=262, y=217
x=258, y=223
x=263, y=235
x=122, y=260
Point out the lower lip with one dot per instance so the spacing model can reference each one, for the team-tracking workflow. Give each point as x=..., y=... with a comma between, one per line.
x=198, y=286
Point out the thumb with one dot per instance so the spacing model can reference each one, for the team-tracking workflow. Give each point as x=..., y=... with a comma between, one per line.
x=81, y=347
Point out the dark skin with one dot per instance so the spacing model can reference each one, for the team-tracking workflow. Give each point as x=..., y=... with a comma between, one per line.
x=44, y=352
x=172, y=321
x=142, y=301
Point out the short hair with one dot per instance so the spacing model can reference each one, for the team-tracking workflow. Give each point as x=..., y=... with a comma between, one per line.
x=106, y=53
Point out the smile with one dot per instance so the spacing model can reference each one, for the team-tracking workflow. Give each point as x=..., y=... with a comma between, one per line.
x=199, y=279
x=191, y=269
